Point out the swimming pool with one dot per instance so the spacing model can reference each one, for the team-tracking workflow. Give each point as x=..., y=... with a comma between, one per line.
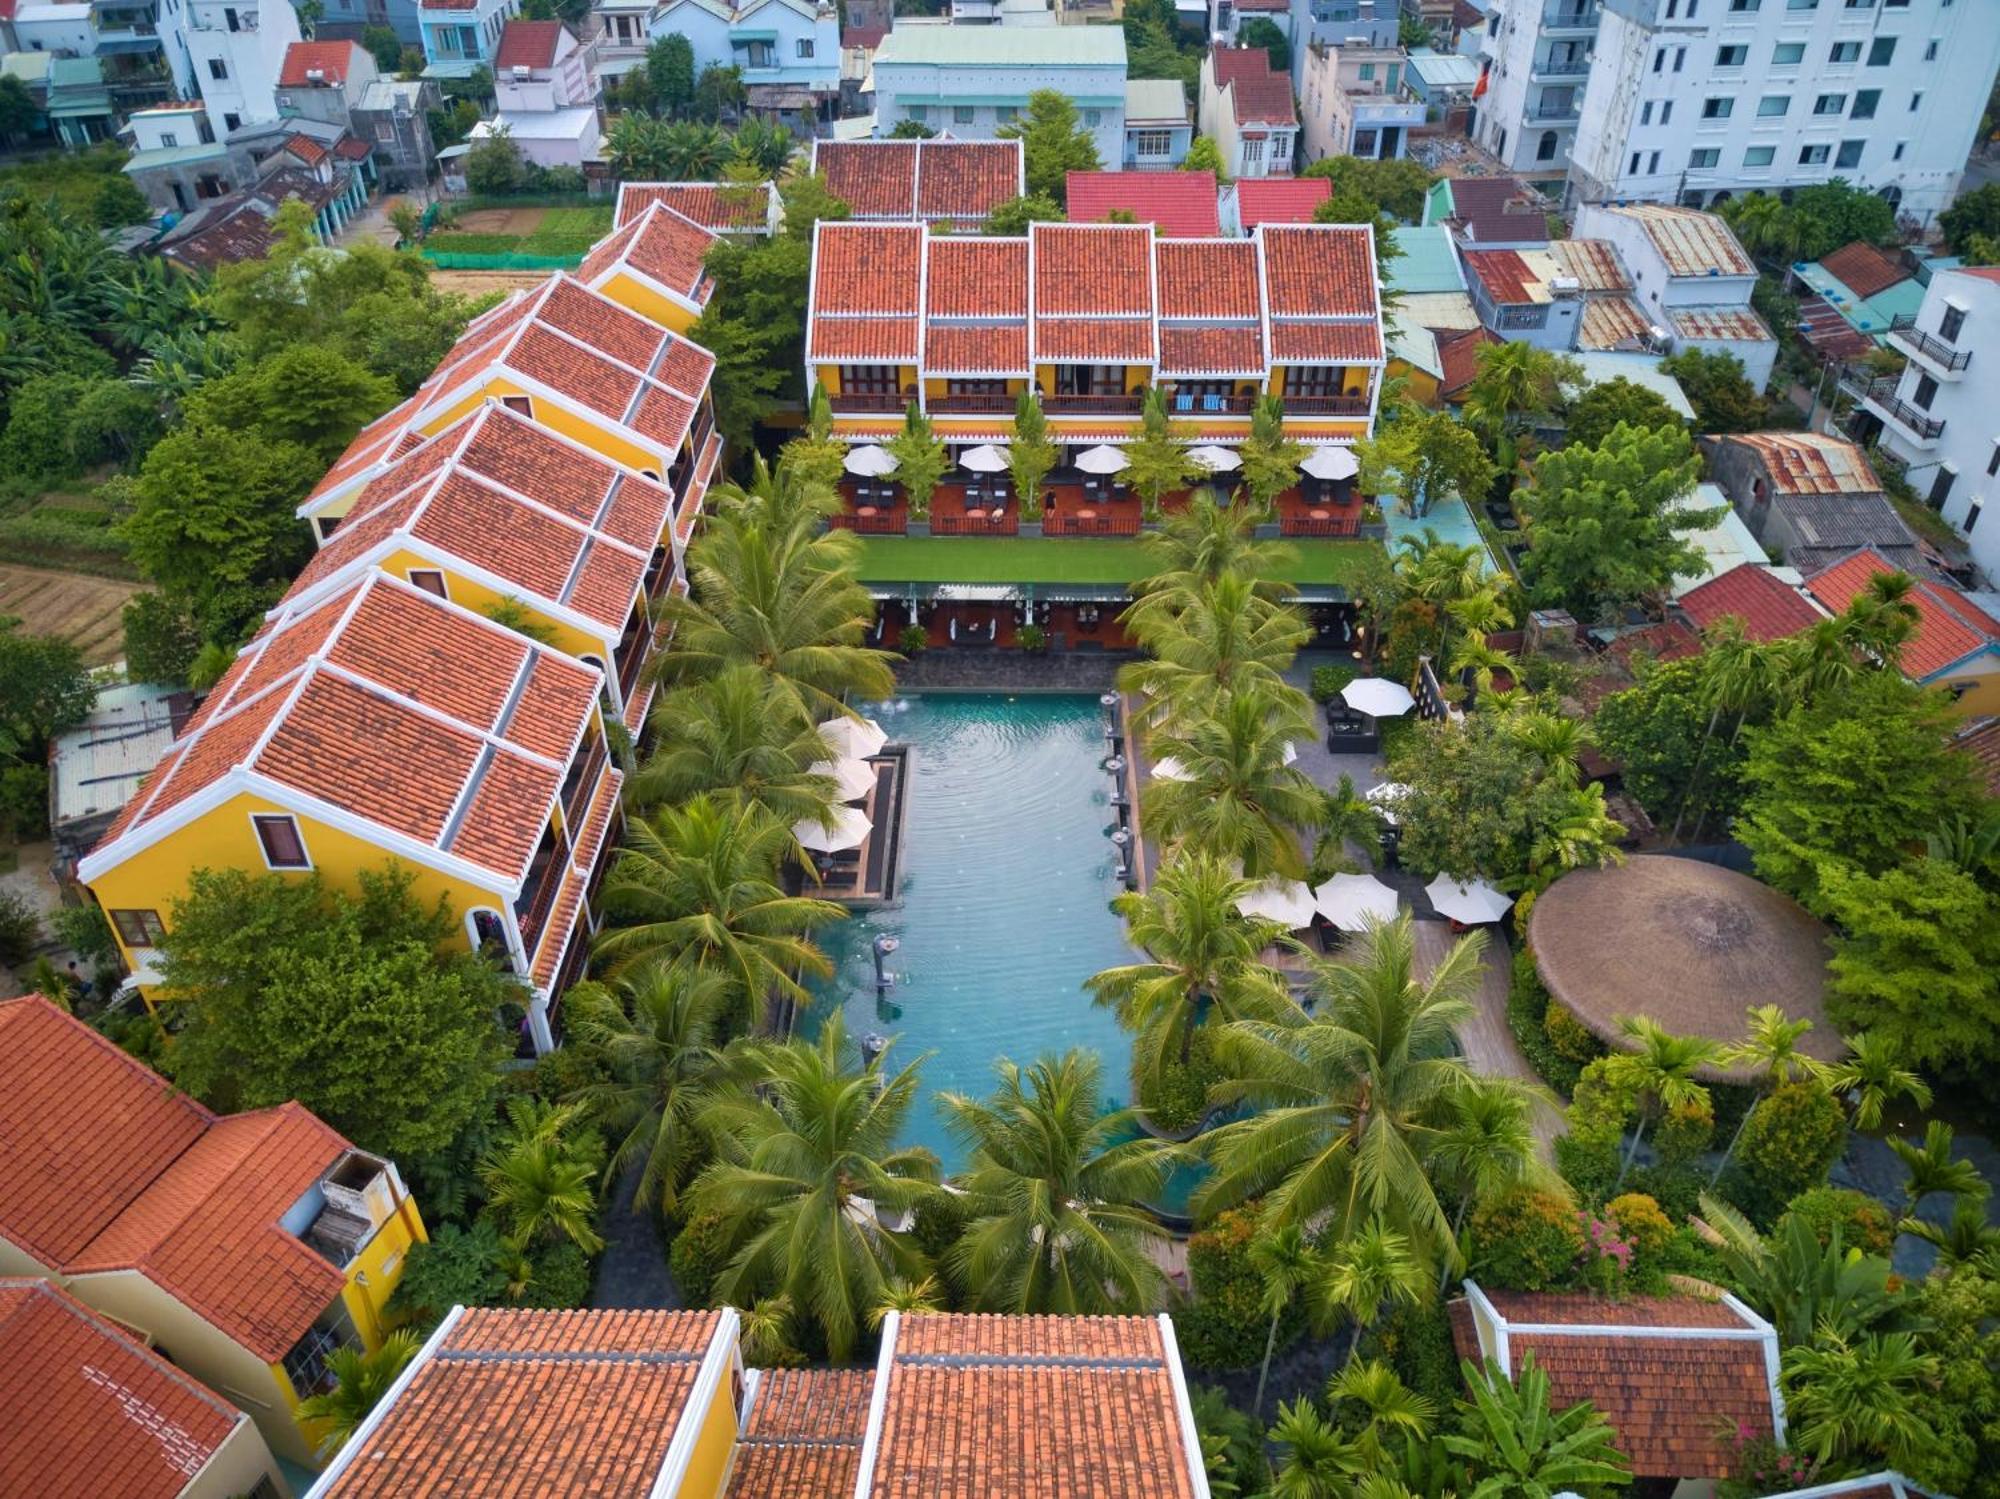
x=1003, y=899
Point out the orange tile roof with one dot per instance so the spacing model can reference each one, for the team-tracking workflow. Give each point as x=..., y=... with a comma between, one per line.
x=528, y=44
x=875, y=179
x=1950, y=629
x=1259, y=95
x=1192, y=349
x=720, y=206
x=562, y=1405
x=661, y=245
x=1320, y=270
x=1029, y=1407
x=1673, y=1400
x=1208, y=278
x=1981, y=740
x=956, y=181
x=392, y=706
x=1181, y=204
x=1279, y=200
x=968, y=276
x=190, y=1200
x=308, y=150
x=333, y=61
x=1504, y=274
x=1769, y=608
x=90, y=1413
x=1092, y=270
x=976, y=349
x=802, y=1436
x=866, y=296
x=1865, y=269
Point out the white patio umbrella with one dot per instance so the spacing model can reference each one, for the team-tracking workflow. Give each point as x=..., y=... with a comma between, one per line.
x=1331, y=462
x=984, y=459
x=1102, y=459
x=1287, y=902
x=1388, y=796
x=853, y=779
x=850, y=828
x=1378, y=697
x=1215, y=459
x=1351, y=901
x=1167, y=768
x=1472, y=903
x=870, y=461
x=853, y=738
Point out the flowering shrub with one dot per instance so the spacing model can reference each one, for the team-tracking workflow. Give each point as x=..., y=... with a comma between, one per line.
x=1641, y=1222
x=1863, y=1222
x=1606, y=1257
x=1759, y=1466
x=1525, y=1240
x=1568, y=1036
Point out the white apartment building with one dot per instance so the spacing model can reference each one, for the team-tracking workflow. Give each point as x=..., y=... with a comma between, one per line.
x=1693, y=100
x=1942, y=415
x=236, y=51
x=1353, y=102
x=1537, y=59
x=968, y=81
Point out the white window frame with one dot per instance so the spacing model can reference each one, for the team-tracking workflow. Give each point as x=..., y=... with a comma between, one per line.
x=257, y=821
x=431, y=572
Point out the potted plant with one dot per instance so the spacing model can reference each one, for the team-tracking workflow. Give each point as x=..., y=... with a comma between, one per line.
x=913, y=640
x=1032, y=638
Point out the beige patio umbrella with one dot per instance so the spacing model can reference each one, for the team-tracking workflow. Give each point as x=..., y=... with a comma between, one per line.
x=1351, y=901
x=853, y=779
x=1287, y=902
x=853, y=738
x=850, y=829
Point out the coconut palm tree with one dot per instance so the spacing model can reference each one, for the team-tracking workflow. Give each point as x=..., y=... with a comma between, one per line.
x=360, y=1380
x=1196, y=548
x=1226, y=639
x=1516, y=1445
x=1771, y=1050
x=772, y=593
x=1860, y=1400
x=807, y=1180
x=1872, y=1075
x=1237, y=798
x=1883, y=616
x=903, y=1296
x=1555, y=740
x=658, y=1031
x=1346, y=819
x=1659, y=1072
x=698, y=884
x=1056, y=1189
x=1579, y=834
x=1485, y=1145
x=1201, y=952
x=767, y=1330
x=1369, y=1270
x=1933, y=1169
x=1286, y=1263
x=1351, y=1098
x=539, y=1185
x=1817, y=660
x=734, y=735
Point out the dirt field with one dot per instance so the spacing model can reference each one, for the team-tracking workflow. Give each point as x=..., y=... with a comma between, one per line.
x=480, y=283
x=521, y=221
x=73, y=605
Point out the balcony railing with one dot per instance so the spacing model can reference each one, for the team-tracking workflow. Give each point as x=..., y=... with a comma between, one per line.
x=1326, y=405
x=1562, y=14
x=881, y=524
x=1292, y=524
x=1930, y=348
x=532, y=910
x=1126, y=404
x=1068, y=523
x=983, y=403
x=579, y=795
x=974, y=525
x=873, y=400
x=1882, y=396
x=1183, y=403
x=1561, y=68
x=1554, y=112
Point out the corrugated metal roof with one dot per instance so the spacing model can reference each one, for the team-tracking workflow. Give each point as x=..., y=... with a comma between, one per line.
x=1690, y=242
x=1609, y=322
x=1732, y=324
x=97, y=766
x=1594, y=263
x=1809, y=463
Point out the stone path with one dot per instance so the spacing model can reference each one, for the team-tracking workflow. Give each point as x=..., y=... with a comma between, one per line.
x=1489, y=1044
x=633, y=1274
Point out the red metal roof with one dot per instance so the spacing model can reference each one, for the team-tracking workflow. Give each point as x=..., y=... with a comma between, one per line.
x=1948, y=631
x=1769, y=607
x=528, y=44
x=1864, y=269
x=1279, y=200
x=1176, y=204
x=331, y=60
x=1505, y=275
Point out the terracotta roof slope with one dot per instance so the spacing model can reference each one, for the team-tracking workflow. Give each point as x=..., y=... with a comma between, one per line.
x=1177, y=204
x=1258, y=93
x=88, y=1412
x=1865, y=269
x=1279, y=200
x=528, y=44
x=802, y=1436
x=662, y=245
x=1769, y=608
x=719, y=206
x=956, y=181
x=1950, y=628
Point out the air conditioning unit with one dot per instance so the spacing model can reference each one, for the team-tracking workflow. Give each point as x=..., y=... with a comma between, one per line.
x=315, y=75
x=522, y=74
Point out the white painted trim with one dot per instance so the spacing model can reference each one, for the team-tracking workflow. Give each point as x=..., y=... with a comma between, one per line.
x=1190, y=1433
x=715, y=1363
x=1487, y=1312
x=878, y=1405
x=347, y=1454
x=1889, y=1477
x=257, y=835
x=1769, y=1336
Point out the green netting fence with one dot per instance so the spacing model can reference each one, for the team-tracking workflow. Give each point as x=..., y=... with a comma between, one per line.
x=451, y=260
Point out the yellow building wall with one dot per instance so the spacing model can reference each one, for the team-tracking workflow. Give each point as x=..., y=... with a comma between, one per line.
x=376, y=1272
x=156, y=877
x=708, y=1463
x=627, y=292
x=1420, y=386
x=1353, y=380
x=1981, y=695
x=470, y=594
x=556, y=418
x=935, y=386
x=237, y=1466
x=829, y=375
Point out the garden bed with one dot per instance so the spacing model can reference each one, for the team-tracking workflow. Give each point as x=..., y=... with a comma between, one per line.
x=549, y=233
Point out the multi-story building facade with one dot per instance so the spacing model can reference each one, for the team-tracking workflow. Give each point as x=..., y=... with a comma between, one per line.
x=573, y=421
x=244, y=1247
x=1354, y=102
x=546, y=90
x=788, y=50
x=1247, y=110
x=460, y=37
x=1687, y=103
x=1537, y=57
x=968, y=81
x=1090, y=317
x=1938, y=415
x=1158, y=126
x=235, y=50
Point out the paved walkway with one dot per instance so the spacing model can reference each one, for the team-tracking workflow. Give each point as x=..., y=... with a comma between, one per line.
x=632, y=1275
x=1489, y=1044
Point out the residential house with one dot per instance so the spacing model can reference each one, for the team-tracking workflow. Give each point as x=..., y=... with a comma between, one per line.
x=618, y=32
x=1612, y=321
x=1355, y=103
x=393, y=117
x=337, y=84
x=1525, y=296
x=1441, y=81
x=1849, y=300
x=460, y=37
x=789, y=50
x=244, y=1248
x=97, y=767
x=324, y=81
x=1179, y=205
x=1159, y=128
x=241, y=225
x=722, y=208
x=950, y=183
x=1884, y=1485
x=1690, y=277
x=1535, y=60
x=1810, y=498
x=1090, y=317
x=235, y=51
x=1271, y=200
x=1956, y=644
x=968, y=81
x=93, y=1411
x=61, y=28
x=175, y=158
x=1687, y=108
x=546, y=93
x=1246, y=108
x=1765, y=603
x=1936, y=417
x=1677, y=1377
x=1491, y=213
x=1226, y=17
x=1339, y=23
x=350, y=20
x=1428, y=281
x=78, y=101
x=956, y=1407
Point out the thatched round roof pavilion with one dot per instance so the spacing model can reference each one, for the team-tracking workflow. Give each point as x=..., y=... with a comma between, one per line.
x=1690, y=945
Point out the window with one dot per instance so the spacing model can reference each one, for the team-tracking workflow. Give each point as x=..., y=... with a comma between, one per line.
x=1829, y=104
x=138, y=928
x=429, y=579
x=1667, y=112
x=1845, y=52
x=1717, y=109
x=1930, y=50
x=1731, y=57
x=803, y=47
x=1773, y=105
x=1738, y=6
x=283, y=847
x=1881, y=51
x=1897, y=154
x=1003, y=113
x=919, y=112
x=1759, y=156
x=1849, y=154
x=1660, y=60
x=1680, y=56
x=1941, y=485
x=1814, y=156
x=1153, y=143
x=1253, y=152
x=1950, y=323
x=1633, y=169
x=961, y=114
x=230, y=122
x=1368, y=72
x=1646, y=113
x=1653, y=163
x=1916, y=101
x=1801, y=4
x=1865, y=101
x=169, y=139
x=217, y=68
x=1092, y=118
x=1545, y=150
x=1925, y=393
x=1364, y=145
x=1703, y=160
x=1993, y=463
x=1971, y=516
x=519, y=405
x=1788, y=54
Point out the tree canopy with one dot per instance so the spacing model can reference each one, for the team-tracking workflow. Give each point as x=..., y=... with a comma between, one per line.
x=1055, y=143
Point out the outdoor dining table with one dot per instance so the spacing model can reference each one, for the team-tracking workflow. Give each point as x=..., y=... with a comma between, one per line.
x=1320, y=514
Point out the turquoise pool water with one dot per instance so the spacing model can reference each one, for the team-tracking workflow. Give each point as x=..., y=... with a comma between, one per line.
x=1003, y=901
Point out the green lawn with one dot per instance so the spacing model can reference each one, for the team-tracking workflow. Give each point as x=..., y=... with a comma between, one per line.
x=1089, y=559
